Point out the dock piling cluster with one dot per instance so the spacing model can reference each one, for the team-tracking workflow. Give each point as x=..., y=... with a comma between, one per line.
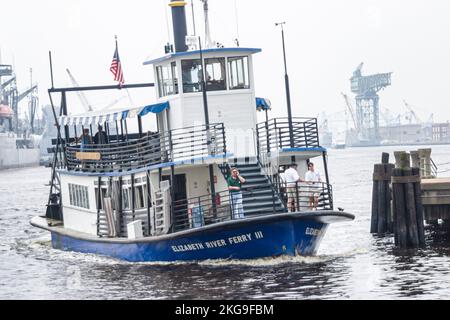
x=397, y=199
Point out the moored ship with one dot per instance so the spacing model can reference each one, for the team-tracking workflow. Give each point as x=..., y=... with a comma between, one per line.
x=163, y=195
x=18, y=147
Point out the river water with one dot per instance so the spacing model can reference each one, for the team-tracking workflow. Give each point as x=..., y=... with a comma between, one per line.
x=351, y=264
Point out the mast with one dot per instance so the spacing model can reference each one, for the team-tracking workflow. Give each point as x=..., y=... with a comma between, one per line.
x=208, y=42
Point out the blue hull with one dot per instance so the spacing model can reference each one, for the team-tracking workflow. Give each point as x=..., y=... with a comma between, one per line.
x=289, y=234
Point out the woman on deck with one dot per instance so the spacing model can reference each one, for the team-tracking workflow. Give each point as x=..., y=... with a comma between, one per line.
x=235, y=182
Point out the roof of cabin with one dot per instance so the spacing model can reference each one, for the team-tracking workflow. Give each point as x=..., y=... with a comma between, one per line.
x=205, y=51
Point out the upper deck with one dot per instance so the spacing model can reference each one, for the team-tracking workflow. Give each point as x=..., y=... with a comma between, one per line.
x=133, y=152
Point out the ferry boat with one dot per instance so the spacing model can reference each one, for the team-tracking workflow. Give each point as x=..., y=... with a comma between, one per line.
x=163, y=196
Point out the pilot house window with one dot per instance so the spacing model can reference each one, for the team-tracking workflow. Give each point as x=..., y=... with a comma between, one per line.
x=192, y=75
x=167, y=80
x=215, y=75
x=238, y=70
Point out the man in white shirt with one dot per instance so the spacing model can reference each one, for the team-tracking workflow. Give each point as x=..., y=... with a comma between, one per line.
x=292, y=179
x=314, y=182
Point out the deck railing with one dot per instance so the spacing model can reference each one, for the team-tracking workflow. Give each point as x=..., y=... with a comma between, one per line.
x=304, y=196
x=202, y=211
x=275, y=134
x=151, y=149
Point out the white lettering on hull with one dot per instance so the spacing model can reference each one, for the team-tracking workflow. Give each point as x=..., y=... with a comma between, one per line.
x=220, y=243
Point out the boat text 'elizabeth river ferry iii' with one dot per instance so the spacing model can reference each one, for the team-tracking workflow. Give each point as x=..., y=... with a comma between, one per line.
x=164, y=195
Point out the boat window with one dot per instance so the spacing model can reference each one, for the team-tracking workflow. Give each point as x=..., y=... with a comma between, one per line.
x=238, y=73
x=79, y=196
x=139, y=197
x=167, y=80
x=126, y=199
x=215, y=74
x=192, y=75
x=191, y=70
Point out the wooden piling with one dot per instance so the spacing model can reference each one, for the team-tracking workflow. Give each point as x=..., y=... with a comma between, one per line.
x=374, y=221
x=385, y=158
x=407, y=204
x=399, y=206
x=419, y=207
x=381, y=197
x=388, y=198
x=411, y=218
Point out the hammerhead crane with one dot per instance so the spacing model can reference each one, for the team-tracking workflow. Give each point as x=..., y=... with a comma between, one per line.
x=80, y=94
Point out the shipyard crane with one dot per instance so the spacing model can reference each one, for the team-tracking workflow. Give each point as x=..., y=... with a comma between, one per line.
x=113, y=103
x=412, y=114
x=7, y=83
x=21, y=96
x=85, y=103
x=352, y=112
x=366, y=89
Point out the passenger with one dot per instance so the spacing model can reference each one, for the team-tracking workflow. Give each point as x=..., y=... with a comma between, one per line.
x=235, y=182
x=292, y=179
x=86, y=140
x=314, y=181
x=100, y=137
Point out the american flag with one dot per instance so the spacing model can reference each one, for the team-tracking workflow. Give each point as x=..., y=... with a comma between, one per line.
x=116, y=68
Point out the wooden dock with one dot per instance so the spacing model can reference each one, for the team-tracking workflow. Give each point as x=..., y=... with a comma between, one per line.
x=407, y=195
x=436, y=199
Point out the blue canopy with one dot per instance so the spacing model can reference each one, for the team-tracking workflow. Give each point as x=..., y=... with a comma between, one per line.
x=263, y=104
x=154, y=108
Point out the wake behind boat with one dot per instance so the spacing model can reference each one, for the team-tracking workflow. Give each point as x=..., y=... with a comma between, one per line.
x=164, y=195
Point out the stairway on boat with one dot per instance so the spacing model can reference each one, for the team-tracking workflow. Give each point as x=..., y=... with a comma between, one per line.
x=259, y=195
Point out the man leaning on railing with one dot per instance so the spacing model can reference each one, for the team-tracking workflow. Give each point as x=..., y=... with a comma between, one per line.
x=313, y=179
x=292, y=179
x=235, y=182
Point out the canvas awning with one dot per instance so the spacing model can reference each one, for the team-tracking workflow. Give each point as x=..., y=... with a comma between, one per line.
x=110, y=116
x=263, y=104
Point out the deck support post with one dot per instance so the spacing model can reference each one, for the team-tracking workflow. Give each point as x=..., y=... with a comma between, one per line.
x=120, y=209
x=99, y=203
x=133, y=197
x=327, y=177
x=140, y=126
x=149, y=203
x=64, y=113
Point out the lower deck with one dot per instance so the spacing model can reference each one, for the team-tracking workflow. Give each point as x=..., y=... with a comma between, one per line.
x=161, y=200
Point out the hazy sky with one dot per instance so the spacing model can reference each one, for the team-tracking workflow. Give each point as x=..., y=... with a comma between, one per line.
x=326, y=40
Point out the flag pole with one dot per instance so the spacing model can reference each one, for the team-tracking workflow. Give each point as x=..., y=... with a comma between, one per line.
x=128, y=92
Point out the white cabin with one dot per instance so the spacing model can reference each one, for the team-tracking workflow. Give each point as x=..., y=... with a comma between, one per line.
x=230, y=93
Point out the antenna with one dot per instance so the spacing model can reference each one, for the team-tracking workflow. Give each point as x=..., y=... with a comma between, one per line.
x=51, y=67
x=237, y=23
x=167, y=25
x=193, y=16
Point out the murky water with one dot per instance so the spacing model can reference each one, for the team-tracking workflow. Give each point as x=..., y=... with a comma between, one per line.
x=352, y=264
